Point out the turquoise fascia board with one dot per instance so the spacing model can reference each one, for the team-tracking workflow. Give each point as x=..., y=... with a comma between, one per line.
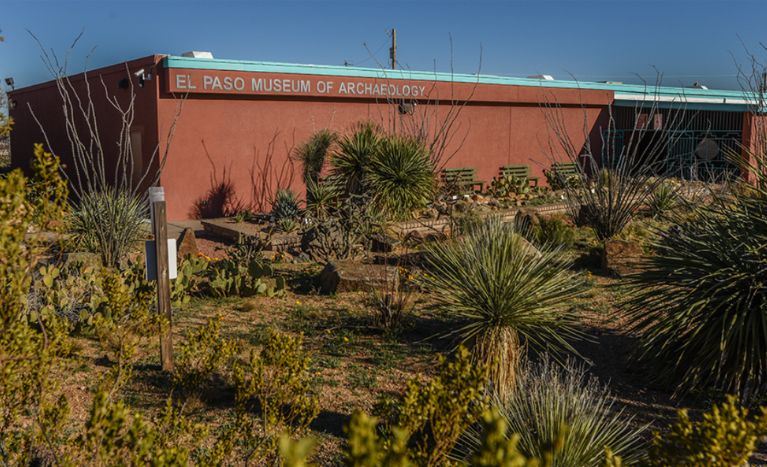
x=360, y=72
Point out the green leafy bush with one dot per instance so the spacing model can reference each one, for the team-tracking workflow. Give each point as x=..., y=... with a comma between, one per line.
x=400, y=177
x=699, y=304
x=49, y=192
x=277, y=383
x=726, y=436
x=424, y=425
x=109, y=223
x=553, y=232
x=201, y=357
x=546, y=398
x=505, y=294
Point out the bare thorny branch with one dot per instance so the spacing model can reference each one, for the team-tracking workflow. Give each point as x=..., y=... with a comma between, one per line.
x=89, y=153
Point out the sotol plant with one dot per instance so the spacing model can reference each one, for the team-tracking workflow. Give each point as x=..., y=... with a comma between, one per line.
x=547, y=398
x=700, y=303
x=350, y=161
x=313, y=152
x=505, y=294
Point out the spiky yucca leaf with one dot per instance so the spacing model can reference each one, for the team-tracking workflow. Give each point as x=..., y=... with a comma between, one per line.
x=563, y=407
x=350, y=161
x=400, y=176
x=313, y=152
x=505, y=295
x=700, y=304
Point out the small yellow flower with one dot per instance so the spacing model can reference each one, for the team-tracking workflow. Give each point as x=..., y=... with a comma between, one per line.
x=346, y=340
x=298, y=302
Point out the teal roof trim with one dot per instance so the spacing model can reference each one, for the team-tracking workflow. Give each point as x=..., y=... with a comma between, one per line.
x=626, y=90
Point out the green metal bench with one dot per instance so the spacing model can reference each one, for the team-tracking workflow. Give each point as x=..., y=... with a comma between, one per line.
x=518, y=171
x=462, y=178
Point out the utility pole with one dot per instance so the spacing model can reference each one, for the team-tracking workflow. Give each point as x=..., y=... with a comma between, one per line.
x=393, y=49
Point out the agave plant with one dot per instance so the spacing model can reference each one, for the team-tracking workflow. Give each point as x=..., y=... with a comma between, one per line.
x=400, y=176
x=552, y=405
x=504, y=294
x=349, y=163
x=312, y=154
x=700, y=303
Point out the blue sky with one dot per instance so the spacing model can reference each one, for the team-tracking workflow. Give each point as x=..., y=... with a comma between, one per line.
x=590, y=40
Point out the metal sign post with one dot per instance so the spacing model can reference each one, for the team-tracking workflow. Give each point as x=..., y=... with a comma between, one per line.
x=160, y=231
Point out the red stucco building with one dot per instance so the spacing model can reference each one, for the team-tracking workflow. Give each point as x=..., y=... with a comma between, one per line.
x=240, y=120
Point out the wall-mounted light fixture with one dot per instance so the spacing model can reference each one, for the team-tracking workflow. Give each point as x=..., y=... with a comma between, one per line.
x=9, y=82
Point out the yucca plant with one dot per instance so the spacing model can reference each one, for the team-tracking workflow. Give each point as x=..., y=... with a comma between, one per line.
x=663, y=199
x=109, y=223
x=313, y=152
x=700, y=303
x=553, y=405
x=504, y=295
x=321, y=198
x=350, y=161
x=400, y=177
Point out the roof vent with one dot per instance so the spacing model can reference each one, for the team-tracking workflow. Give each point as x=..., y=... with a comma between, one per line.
x=611, y=82
x=698, y=85
x=542, y=77
x=198, y=54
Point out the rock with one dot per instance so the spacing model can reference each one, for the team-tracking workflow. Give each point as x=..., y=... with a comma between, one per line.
x=186, y=244
x=350, y=276
x=621, y=257
x=381, y=243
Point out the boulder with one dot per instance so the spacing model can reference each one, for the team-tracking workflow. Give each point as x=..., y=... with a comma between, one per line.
x=350, y=276
x=621, y=257
x=186, y=244
x=381, y=243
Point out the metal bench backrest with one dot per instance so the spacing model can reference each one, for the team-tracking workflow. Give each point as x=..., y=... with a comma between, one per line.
x=565, y=168
x=519, y=171
x=458, y=175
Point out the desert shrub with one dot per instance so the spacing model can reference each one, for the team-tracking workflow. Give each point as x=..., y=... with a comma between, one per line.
x=553, y=232
x=546, y=398
x=664, y=198
x=321, y=199
x=343, y=234
x=202, y=357
x=285, y=206
x=400, y=176
x=277, y=383
x=434, y=414
x=392, y=302
x=352, y=158
x=699, y=305
x=29, y=345
x=726, y=436
x=505, y=294
x=109, y=223
x=49, y=193
x=313, y=152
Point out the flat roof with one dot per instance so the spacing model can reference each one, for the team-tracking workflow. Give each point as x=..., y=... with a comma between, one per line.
x=625, y=94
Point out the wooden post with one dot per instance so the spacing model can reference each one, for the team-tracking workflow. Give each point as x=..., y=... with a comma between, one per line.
x=160, y=231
